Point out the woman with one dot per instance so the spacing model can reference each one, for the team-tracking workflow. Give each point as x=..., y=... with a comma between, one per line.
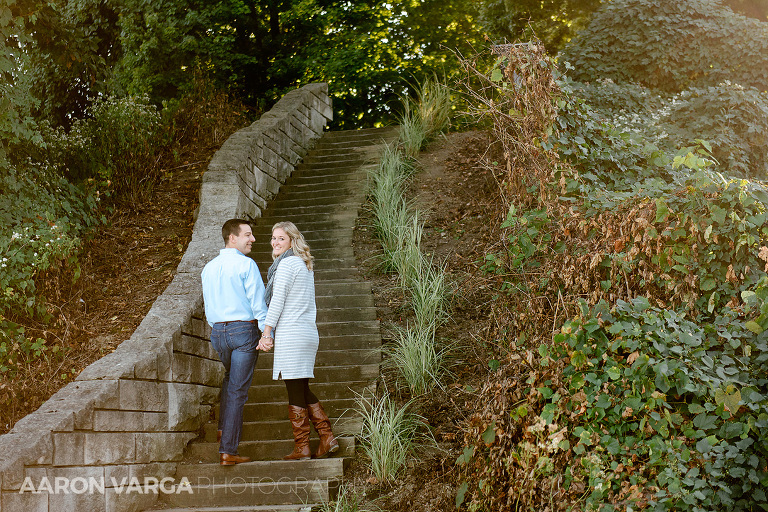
x=290, y=323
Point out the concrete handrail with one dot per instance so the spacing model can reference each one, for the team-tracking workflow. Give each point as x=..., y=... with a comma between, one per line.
x=111, y=440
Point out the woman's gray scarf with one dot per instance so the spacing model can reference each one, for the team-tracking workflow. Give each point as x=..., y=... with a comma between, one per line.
x=271, y=275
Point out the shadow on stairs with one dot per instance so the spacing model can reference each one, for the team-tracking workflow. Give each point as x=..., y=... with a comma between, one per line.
x=322, y=197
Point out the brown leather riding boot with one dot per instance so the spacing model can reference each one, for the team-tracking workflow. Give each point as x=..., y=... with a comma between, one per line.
x=328, y=443
x=300, y=422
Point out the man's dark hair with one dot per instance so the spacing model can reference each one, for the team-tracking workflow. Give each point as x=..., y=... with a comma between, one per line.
x=232, y=227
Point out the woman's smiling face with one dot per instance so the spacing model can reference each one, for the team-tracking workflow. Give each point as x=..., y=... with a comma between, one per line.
x=281, y=242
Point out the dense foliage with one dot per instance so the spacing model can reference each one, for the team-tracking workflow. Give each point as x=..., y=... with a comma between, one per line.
x=671, y=45
x=653, y=394
x=42, y=219
x=554, y=22
x=368, y=50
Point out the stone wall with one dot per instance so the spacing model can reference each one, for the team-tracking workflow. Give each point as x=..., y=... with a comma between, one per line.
x=107, y=441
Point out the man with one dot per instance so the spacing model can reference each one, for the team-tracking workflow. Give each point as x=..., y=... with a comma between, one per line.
x=233, y=292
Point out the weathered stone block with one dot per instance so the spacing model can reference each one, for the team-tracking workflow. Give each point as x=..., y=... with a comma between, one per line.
x=118, y=474
x=81, y=397
x=129, y=421
x=137, y=395
x=220, y=199
x=114, y=366
x=198, y=329
x=200, y=252
x=95, y=473
x=195, y=369
x=68, y=502
x=45, y=421
x=110, y=448
x=190, y=404
x=161, y=446
x=196, y=346
x=247, y=209
x=68, y=448
x=21, y=449
x=27, y=502
x=129, y=500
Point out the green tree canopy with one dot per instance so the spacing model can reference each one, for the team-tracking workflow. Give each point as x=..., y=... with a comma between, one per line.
x=367, y=49
x=554, y=22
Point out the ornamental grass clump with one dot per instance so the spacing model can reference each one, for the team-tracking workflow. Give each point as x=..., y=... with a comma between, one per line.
x=416, y=359
x=407, y=256
x=389, y=435
x=433, y=106
x=429, y=294
x=426, y=116
x=347, y=500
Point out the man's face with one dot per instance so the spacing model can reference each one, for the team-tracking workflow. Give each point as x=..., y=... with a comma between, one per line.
x=243, y=241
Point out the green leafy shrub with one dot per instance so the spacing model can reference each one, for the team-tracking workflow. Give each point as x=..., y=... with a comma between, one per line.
x=677, y=410
x=616, y=414
x=671, y=45
x=732, y=118
x=42, y=220
x=119, y=144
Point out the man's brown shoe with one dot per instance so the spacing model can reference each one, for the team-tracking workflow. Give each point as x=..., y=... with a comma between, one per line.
x=227, y=459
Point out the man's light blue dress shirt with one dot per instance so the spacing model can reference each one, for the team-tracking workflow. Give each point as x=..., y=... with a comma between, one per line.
x=233, y=289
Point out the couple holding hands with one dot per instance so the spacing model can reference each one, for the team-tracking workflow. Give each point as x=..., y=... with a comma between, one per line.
x=246, y=317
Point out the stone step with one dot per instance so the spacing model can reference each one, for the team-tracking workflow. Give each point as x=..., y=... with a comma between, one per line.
x=235, y=493
x=340, y=358
x=289, y=212
x=332, y=158
x=332, y=274
x=338, y=301
x=325, y=196
x=274, y=391
x=329, y=169
x=388, y=132
x=274, y=449
x=336, y=274
x=349, y=342
x=256, y=411
x=357, y=177
x=324, y=374
x=346, y=314
x=276, y=470
x=344, y=287
x=295, y=189
x=326, y=329
x=321, y=265
x=281, y=428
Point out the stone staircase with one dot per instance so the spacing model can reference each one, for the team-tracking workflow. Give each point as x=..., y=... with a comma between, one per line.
x=322, y=197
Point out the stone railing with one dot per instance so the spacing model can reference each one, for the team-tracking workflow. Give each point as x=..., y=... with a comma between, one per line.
x=111, y=440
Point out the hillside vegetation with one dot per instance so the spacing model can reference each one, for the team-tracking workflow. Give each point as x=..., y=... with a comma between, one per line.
x=634, y=313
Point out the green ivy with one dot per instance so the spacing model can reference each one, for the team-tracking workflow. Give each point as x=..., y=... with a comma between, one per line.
x=689, y=402
x=671, y=45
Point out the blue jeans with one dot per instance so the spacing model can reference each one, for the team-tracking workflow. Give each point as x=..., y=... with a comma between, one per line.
x=236, y=344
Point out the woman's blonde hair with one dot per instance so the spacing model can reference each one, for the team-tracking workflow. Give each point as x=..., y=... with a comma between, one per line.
x=298, y=244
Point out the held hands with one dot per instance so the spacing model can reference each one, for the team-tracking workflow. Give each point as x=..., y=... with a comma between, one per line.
x=265, y=343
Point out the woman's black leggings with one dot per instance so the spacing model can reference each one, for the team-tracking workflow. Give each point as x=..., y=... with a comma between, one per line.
x=299, y=393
